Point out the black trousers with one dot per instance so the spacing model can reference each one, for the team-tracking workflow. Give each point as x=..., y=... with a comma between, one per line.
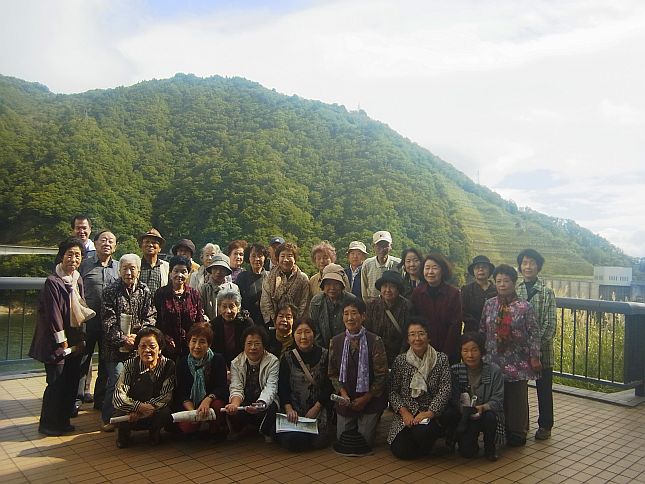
x=486, y=424
x=93, y=339
x=416, y=441
x=156, y=421
x=298, y=441
x=60, y=393
x=544, y=387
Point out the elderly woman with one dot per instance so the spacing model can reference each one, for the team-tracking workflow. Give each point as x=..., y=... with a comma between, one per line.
x=58, y=340
x=186, y=248
x=200, y=276
x=475, y=294
x=250, y=282
x=322, y=255
x=218, y=271
x=439, y=303
x=358, y=372
x=201, y=380
x=281, y=338
x=304, y=388
x=235, y=251
x=476, y=378
x=254, y=384
x=144, y=389
x=419, y=392
x=389, y=314
x=229, y=325
x=178, y=308
x=326, y=308
x=127, y=308
x=513, y=344
x=410, y=267
x=285, y=283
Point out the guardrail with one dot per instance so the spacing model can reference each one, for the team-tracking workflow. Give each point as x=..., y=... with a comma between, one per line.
x=596, y=341
x=601, y=342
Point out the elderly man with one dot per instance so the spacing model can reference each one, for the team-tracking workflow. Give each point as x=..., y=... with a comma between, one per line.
x=272, y=260
x=358, y=371
x=374, y=267
x=542, y=298
x=154, y=271
x=82, y=228
x=356, y=254
x=186, y=248
x=97, y=272
x=389, y=314
x=325, y=308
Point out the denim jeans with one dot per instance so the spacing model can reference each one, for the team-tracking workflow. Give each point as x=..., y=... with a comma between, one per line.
x=113, y=370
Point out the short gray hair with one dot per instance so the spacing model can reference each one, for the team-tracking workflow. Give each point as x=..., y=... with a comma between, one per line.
x=229, y=293
x=132, y=259
x=214, y=247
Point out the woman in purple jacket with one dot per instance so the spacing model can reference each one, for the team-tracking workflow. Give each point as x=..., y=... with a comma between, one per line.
x=58, y=340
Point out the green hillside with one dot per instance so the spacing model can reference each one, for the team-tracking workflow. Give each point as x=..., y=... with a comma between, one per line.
x=223, y=158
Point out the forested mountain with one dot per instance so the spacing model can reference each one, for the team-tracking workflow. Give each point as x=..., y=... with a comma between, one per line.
x=223, y=158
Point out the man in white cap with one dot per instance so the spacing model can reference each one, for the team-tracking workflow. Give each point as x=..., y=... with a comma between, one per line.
x=356, y=254
x=374, y=267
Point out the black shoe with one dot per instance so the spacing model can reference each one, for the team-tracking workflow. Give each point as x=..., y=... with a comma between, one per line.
x=68, y=428
x=49, y=432
x=88, y=398
x=515, y=441
x=491, y=455
x=77, y=406
x=154, y=437
x=123, y=436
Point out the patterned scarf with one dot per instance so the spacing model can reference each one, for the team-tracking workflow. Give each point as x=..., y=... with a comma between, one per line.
x=363, y=373
x=198, y=390
x=79, y=310
x=504, y=333
x=419, y=381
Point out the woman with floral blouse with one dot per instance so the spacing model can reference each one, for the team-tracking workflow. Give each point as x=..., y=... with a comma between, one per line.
x=513, y=344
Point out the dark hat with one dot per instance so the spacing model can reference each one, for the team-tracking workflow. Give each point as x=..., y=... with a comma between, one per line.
x=184, y=243
x=276, y=240
x=480, y=259
x=220, y=260
x=390, y=276
x=154, y=234
x=352, y=444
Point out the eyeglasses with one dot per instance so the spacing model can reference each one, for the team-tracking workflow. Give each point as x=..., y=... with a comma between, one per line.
x=147, y=347
x=417, y=334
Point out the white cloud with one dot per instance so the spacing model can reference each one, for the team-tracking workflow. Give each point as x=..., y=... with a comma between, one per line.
x=498, y=88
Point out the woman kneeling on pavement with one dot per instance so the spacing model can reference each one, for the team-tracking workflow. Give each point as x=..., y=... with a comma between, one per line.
x=144, y=389
x=478, y=390
x=254, y=386
x=419, y=392
x=201, y=381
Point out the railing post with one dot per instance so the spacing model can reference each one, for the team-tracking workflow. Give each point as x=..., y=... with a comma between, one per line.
x=634, y=360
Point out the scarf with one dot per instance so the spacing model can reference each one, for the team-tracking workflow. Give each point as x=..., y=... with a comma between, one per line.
x=196, y=367
x=286, y=341
x=79, y=310
x=504, y=323
x=418, y=383
x=363, y=373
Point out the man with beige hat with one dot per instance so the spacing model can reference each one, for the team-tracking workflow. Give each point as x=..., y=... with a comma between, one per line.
x=356, y=254
x=374, y=267
x=154, y=271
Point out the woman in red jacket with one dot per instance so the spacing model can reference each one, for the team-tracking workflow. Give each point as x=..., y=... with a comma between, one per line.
x=440, y=305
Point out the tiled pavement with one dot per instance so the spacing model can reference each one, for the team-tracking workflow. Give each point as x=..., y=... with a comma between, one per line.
x=592, y=442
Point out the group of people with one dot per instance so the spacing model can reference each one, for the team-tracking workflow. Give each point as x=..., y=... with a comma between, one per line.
x=245, y=347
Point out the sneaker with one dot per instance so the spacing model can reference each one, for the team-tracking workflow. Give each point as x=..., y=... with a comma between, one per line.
x=88, y=398
x=268, y=439
x=491, y=455
x=542, y=434
x=107, y=427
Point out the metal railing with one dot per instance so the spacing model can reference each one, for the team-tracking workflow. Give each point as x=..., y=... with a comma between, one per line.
x=601, y=342
x=596, y=341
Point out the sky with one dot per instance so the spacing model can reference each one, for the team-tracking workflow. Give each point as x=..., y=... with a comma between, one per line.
x=541, y=101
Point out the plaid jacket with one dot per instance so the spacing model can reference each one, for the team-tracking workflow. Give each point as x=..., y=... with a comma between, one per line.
x=543, y=301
